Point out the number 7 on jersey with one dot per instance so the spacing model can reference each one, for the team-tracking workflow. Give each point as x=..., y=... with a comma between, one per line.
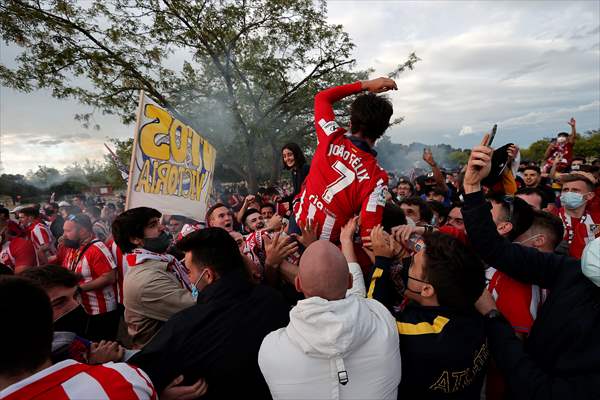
x=346, y=178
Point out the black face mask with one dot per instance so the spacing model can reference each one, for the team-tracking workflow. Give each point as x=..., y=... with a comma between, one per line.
x=405, y=266
x=158, y=244
x=75, y=321
x=72, y=244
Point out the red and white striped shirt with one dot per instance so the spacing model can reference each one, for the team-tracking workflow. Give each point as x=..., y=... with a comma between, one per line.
x=40, y=235
x=71, y=380
x=122, y=266
x=95, y=262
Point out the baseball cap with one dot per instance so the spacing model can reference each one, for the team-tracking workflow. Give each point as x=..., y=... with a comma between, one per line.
x=81, y=219
x=499, y=164
x=64, y=204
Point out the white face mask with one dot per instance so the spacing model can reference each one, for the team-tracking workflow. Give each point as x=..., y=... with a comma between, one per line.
x=522, y=242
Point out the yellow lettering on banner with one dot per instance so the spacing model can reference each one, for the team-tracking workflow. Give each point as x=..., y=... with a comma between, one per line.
x=143, y=183
x=199, y=183
x=163, y=175
x=178, y=152
x=193, y=174
x=154, y=172
x=208, y=156
x=195, y=148
x=159, y=125
x=172, y=182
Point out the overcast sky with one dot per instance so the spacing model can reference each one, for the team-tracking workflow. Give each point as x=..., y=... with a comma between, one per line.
x=528, y=66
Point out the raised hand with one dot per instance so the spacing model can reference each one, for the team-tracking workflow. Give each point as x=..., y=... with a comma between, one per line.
x=572, y=122
x=278, y=249
x=428, y=156
x=379, y=85
x=479, y=166
x=308, y=233
x=382, y=243
x=347, y=233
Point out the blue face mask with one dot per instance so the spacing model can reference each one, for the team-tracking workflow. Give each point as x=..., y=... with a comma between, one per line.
x=572, y=200
x=195, y=290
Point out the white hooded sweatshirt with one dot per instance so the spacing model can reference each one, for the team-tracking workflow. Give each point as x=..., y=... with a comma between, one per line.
x=344, y=349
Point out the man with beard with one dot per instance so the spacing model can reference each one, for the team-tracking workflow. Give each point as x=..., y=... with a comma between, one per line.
x=89, y=257
x=253, y=220
x=156, y=285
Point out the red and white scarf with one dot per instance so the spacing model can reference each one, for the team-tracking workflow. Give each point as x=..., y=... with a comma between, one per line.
x=140, y=255
x=585, y=219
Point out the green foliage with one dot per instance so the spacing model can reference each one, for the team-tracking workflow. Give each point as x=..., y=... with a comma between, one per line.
x=17, y=185
x=586, y=145
x=251, y=67
x=535, y=151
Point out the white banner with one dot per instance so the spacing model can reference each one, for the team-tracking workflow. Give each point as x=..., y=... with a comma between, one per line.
x=172, y=166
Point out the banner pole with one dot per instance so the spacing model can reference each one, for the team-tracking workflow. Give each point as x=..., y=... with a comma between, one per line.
x=134, y=149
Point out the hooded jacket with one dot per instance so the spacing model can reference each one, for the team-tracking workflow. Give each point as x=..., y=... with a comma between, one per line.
x=343, y=349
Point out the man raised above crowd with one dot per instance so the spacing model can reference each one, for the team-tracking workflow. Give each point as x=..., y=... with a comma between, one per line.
x=344, y=178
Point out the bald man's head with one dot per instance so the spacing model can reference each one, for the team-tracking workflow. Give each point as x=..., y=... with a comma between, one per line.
x=323, y=272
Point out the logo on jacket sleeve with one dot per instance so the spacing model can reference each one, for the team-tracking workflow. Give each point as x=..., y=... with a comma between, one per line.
x=328, y=127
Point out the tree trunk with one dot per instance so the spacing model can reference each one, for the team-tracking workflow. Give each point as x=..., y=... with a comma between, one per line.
x=275, y=163
x=251, y=177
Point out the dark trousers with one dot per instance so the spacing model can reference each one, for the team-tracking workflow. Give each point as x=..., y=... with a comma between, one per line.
x=103, y=326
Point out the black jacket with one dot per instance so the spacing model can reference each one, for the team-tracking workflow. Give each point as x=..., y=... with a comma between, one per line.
x=444, y=351
x=298, y=176
x=217, y=339
x=561, y=357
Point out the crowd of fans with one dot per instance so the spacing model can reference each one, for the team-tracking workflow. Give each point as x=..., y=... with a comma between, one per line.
x=350, y=282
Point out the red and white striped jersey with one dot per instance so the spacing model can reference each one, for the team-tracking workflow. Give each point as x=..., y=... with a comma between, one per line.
x=40, y=235
x=122, y=266
x=17, y=254
x=344, y=179
x=517, y=301
x=71, y=380
x=95, y=262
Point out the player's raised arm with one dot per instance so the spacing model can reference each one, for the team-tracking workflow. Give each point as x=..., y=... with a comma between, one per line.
x=325, y=117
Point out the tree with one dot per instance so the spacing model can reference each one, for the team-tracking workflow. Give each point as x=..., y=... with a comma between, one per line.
x=535, y=151
x=250, y=70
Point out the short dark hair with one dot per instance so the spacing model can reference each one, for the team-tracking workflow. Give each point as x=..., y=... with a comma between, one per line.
x=131, y=224
x=550, y=224
x=565, y=134
x=533, y=168
x=527, y=191
x=82, y=220
x=424, y=210
x=439, y=208
x=248, y=213
x=179, y=218
x=574, y=177
x=27, y=318
x=30, y=211
x=299, y=159
x=212, y=209
x=522, y=213
x=50, y=276
x=213, y=247
x=437, y=191
x=269, y=205
x=454, y=270
x=4, y=211
x=392, y=216
x=370, y=115
x=579, y=158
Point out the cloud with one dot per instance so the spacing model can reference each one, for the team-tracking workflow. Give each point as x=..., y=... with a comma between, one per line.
x=527, y=69
x=465, y=130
